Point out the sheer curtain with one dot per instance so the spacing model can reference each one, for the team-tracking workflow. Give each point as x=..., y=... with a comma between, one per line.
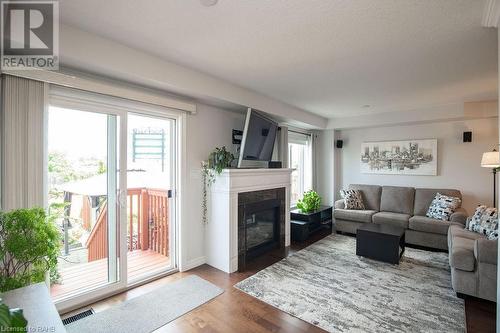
x=23, y=118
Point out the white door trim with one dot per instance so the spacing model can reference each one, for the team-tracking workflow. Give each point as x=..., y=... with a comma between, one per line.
x=92, y=103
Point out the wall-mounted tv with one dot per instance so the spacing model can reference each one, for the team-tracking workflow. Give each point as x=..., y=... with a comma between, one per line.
x=257, y=142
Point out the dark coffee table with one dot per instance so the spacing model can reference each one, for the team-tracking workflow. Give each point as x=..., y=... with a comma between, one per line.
x=380, y=242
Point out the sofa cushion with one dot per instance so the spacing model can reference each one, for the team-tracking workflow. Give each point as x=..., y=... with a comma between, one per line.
x=443, y=206
x=397, y=199
x=371, y=195
x=354, y=215
x=427, y=224
x=352, y=199
x=462, y=254
x=424, y=197
x=395, y=219
x=485, y=222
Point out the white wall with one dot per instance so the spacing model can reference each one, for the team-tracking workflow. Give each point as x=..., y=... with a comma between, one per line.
x=209, y=128
x=458, y=162
x=324, y=177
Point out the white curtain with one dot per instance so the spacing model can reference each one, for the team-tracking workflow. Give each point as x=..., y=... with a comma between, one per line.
x=283, y=146
x=23, y=119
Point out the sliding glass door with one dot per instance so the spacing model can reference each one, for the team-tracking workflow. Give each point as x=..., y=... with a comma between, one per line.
x=84, y=189
x=112, y=175
x=150, y=187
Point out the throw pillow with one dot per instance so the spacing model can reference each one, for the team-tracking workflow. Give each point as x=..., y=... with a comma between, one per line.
x=485, y=222
x=352, y=199
x=443, y=206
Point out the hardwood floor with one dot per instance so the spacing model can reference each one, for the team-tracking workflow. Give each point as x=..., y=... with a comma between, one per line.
x=235, y=311
x=480, y=315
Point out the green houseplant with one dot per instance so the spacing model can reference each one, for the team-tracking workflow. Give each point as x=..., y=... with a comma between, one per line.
x=29, y=246
x=310, y=202
x=12, y=320
x=218, y=160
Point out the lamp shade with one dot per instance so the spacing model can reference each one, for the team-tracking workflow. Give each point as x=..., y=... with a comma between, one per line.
x=491, y=159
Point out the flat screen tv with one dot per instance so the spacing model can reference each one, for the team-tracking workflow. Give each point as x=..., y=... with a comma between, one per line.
x=257, y=142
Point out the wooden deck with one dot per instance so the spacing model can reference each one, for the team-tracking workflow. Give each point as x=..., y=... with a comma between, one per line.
x=92, y=274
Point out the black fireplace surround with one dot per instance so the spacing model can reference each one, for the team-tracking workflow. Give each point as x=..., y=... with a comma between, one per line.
x=261, y=224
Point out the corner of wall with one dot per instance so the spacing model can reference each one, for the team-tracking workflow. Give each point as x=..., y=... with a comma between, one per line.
x=324, y=170
x=193, y=263
x=337, y=165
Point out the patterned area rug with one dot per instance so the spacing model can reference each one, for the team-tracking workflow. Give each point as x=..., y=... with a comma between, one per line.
x=327, y=285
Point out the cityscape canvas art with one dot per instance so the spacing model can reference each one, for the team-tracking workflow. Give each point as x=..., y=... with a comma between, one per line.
x=409, y=157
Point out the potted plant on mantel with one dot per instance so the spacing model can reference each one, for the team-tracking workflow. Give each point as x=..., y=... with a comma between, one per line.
x=218, y=160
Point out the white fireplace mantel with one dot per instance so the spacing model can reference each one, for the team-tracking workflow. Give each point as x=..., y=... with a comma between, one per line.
x=222, y=228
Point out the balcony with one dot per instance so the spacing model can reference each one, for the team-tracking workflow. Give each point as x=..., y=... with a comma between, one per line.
x=147, y=243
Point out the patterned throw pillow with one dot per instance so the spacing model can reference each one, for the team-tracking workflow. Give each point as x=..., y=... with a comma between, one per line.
x=485, y=222
x=443, y=206
x=352, y=199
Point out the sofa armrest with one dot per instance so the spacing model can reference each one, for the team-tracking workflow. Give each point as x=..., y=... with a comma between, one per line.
x=339, y=204
x=485, y=250
x=459, y=216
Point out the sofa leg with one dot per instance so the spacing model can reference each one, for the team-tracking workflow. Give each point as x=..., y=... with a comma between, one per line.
x=460, y=295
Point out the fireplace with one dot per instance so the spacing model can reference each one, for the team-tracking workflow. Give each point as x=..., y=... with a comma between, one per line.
x=261, y=221
x=228, y=238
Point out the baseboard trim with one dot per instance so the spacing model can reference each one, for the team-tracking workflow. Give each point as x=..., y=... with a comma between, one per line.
x=193, y=264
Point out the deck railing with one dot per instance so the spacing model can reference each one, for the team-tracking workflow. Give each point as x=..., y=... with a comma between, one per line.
x=97, y=243
x=147, y=224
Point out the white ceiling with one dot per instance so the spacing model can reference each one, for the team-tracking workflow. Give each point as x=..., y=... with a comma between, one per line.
x=329, y=57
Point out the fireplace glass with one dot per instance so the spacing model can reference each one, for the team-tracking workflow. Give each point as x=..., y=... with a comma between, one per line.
x=261, y=228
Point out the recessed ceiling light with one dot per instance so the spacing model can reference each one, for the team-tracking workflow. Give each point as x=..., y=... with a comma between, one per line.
x=208, y=3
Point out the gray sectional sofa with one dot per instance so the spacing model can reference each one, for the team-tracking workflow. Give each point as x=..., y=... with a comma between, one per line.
x=473, y=262
x=473, y=258
x=401, y=206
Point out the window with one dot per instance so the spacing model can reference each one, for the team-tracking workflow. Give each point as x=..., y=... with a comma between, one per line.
x=300, y=159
